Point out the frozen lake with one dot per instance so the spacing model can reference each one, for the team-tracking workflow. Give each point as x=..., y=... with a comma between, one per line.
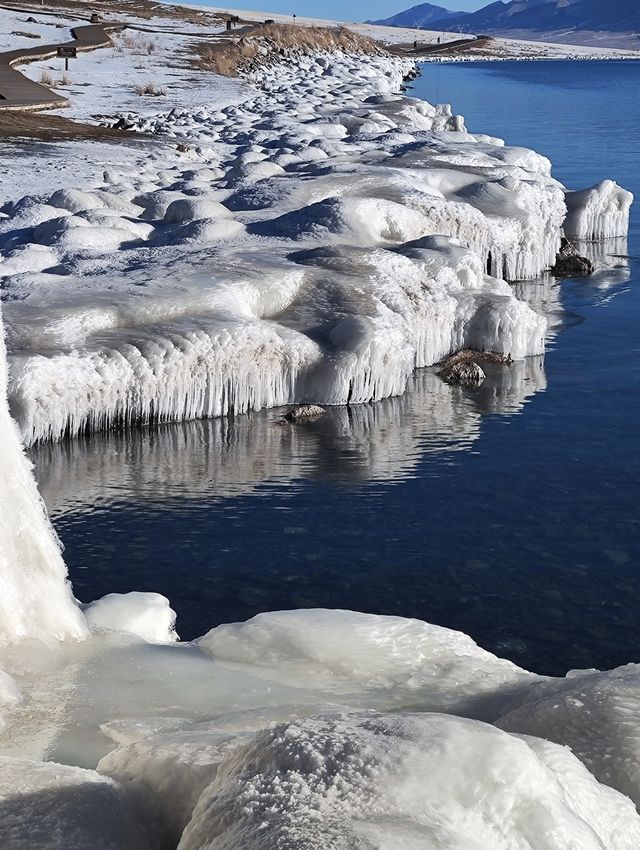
x=509, y=512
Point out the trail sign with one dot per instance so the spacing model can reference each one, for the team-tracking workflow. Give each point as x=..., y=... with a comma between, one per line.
x=67, y=52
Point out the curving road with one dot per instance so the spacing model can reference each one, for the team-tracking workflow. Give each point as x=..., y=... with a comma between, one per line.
x=19, y=92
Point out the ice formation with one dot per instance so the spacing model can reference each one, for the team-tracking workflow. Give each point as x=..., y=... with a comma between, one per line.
x=341, y=233
x=407, y=781
x=601, y=212
x=145, y=615
x=35, y=598
x=228, y=457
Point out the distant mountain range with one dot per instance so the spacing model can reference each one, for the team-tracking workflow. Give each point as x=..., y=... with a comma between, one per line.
x=526, y=18
x=420, y=17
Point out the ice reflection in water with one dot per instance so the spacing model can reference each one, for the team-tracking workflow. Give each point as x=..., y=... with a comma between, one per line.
x=227, y=457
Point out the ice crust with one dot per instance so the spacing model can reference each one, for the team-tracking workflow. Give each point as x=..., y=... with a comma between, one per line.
x=410, y=782
x=341, y=233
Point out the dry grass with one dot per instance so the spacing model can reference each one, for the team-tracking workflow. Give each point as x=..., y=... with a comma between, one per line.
x=127, y=42
x=47, y=79
x=269, y=43
x=151, y=89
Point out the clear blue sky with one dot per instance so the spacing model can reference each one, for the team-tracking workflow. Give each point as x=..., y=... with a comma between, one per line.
x=343, y=10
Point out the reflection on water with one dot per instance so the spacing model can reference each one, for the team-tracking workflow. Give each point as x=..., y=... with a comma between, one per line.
x=227, y=457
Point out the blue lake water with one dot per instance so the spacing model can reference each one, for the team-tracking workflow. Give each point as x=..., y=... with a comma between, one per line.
x=510, y=512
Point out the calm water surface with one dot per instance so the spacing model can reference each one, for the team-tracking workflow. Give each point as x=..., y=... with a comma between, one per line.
x=510, y=512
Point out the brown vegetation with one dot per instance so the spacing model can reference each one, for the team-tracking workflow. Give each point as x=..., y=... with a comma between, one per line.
x=269, y=43
x=16, y=125
x=152, y=89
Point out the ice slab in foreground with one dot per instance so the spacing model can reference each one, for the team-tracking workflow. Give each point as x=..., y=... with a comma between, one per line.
x=308, y=729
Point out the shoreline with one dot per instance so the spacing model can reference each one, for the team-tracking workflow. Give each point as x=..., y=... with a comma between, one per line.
x=343, y=177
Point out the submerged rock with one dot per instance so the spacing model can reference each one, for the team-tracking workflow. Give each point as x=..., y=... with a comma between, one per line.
x=463, y=367
x=302, y=413
x=463, y=373
x=569, y=263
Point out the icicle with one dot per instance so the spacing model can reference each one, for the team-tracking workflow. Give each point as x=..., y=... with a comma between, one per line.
x=601, y=212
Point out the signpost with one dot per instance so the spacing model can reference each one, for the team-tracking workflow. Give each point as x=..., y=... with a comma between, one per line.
x=66, y=53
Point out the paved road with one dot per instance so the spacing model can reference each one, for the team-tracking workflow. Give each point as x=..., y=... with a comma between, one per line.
x=460, y=45
x=19, y=92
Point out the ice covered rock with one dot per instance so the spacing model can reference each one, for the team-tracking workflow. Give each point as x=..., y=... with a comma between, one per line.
x=48, y=806
x=192, y=209
x=601, y=212
x=409, y=781
x=146, y=615
x=10, y=695
x=75, y=200
x=304, y=413
x=165, y=774
x=406, y=660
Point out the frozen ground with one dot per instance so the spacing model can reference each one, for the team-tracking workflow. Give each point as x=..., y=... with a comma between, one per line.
x=109, y=80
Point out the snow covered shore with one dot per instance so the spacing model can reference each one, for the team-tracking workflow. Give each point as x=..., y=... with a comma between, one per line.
x=316, y=241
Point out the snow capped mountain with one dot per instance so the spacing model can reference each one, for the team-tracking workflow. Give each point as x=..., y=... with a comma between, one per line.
x=548, y=15
x=420, y=16
x=530, y=16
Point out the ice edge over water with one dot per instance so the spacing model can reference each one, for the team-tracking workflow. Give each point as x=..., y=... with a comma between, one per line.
x=343, y=234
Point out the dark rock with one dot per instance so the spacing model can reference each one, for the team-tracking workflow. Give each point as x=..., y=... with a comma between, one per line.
x=463, y=367
x=463, y=373
x=302, y=414
x=569, y=263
